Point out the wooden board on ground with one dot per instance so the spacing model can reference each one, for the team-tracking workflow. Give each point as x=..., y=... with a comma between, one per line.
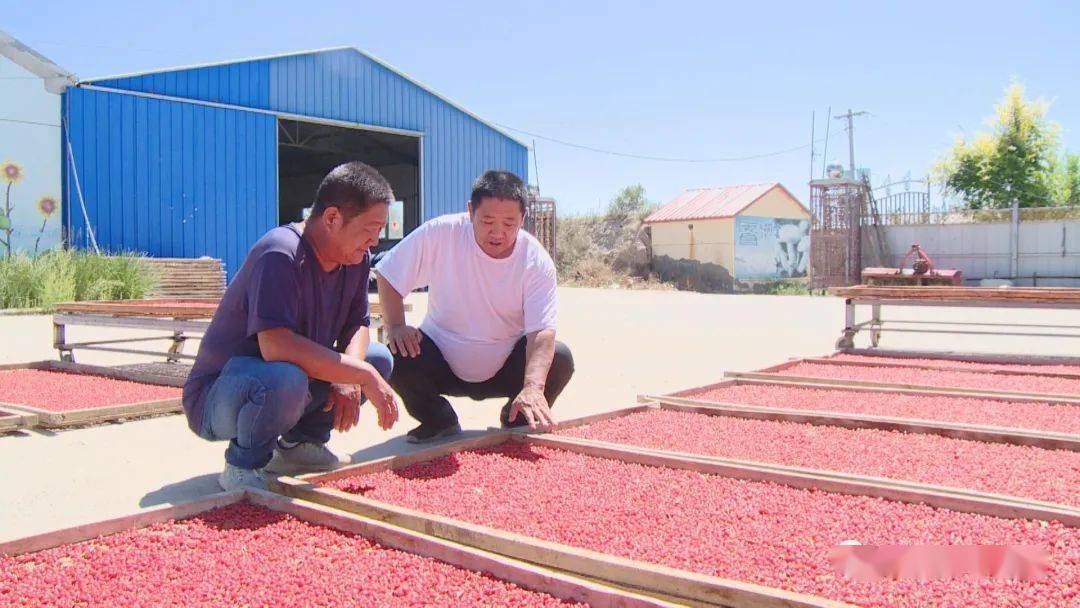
x=90, y=415
x=636, y=574
x=164, y=374
x=914, y=365
x=525, y=575
x=14, y=420
x=769, y=375
x=594, y=418
x=1000, y=358
x=993, y=434
x=955, y=499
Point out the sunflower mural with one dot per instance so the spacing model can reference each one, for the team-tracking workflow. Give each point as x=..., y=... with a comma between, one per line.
x=46, y=206
x=11, y=173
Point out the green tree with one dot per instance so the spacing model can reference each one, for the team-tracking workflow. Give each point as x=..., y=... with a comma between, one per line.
x=630, y=203
x=1070, y=187
x=1016, y=160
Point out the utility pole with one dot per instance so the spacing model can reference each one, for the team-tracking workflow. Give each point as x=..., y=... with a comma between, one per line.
x=851, y=137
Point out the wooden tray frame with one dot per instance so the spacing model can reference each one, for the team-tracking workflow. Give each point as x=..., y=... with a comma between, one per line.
x=772, y=374
x=14, y=420
x=998, y=505
x=680, y=401
x=525, y=575
x=90, y=415
x=650, y=578
x=680, y=585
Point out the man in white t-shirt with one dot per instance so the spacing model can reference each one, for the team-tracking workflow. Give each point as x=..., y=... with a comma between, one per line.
x=490, y=326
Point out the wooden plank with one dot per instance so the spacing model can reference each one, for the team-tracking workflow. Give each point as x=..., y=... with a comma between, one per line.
x=13, y=420
x=594, y=418
x=919, y=389
x=961, y=294
x=966, y=356
x=94, y=415
x=618, y=570
x=731, y=382
x=139, y=519
x=779, y=367
x=956, y=499
x=28, y=365
x=158, y=317
x=947, y=368
x=136, y=351
x=119, y=373
x=529, y=576
x=398, y=461
x=991, y=434
x=152, y=323
x=171, y=308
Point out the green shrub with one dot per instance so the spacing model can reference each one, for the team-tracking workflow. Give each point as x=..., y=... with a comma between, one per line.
x=64, y=276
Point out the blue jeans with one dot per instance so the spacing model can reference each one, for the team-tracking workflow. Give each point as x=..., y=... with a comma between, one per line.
x=253, y=402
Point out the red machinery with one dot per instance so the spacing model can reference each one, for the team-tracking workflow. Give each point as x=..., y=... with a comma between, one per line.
x=922, y=272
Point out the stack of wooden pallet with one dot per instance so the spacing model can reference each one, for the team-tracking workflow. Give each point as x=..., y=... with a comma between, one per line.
x=188, y=278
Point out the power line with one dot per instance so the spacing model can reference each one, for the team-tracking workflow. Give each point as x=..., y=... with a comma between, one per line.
x=28, y=122
x=667, y=159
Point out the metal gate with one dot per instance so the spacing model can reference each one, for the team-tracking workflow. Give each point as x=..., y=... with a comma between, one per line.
x=898, y=203
x=540, y=222
x=836, y=208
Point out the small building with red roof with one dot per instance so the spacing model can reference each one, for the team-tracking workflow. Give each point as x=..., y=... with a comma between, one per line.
x=752, y=232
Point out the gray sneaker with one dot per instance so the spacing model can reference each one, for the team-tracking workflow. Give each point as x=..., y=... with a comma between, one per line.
x=235, y=478
x=304, y=457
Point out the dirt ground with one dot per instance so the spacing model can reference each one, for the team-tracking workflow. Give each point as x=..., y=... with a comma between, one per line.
x=624, y=343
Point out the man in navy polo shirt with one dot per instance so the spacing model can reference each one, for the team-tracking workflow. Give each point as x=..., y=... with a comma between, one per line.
x=288, y=356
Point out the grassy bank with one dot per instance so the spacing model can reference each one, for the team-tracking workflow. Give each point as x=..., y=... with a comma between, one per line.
x=64, y=276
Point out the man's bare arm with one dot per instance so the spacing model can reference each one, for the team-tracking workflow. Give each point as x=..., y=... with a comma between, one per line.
x=400, y=338
x=531, y=402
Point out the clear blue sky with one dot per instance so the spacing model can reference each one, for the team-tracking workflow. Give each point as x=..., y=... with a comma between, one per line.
x=672, y=79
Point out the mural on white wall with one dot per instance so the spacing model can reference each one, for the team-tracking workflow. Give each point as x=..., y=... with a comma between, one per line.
x=26, y=233
x=771, y=248
x=29, y=163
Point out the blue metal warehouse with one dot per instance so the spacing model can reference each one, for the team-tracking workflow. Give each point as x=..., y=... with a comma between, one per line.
x=201, y=161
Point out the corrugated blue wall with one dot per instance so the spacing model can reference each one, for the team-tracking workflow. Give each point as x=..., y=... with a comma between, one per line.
x=137, y=156
x=168, y=178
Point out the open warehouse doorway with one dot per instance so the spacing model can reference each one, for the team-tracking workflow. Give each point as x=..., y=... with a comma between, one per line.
x=307, y=151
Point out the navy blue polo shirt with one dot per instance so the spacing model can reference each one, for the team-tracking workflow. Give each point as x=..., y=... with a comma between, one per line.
x=281, y=284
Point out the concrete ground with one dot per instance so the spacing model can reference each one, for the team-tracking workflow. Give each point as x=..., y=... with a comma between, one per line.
x=624, y=343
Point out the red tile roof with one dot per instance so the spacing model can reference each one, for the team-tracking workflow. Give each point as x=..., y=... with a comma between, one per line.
x=712, y=203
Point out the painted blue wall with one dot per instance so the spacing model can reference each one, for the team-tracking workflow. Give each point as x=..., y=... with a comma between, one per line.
x=198, y=180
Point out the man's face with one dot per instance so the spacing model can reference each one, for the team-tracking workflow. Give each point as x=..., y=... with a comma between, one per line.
x=350, y=238
x=496, y=222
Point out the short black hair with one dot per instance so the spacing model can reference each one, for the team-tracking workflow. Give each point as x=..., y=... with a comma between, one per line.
x=499, y=184
x=351, y=187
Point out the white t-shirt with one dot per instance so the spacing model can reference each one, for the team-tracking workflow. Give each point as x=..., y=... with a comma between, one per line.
x=478, y=306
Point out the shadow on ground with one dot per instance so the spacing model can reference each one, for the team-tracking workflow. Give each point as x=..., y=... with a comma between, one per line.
x=181, y=491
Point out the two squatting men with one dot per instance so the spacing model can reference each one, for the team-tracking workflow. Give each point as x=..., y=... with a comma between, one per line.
x=288, y=356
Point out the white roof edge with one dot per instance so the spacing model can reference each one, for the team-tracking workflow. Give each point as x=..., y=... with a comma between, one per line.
x=56, y=78
x=312, y=52
x=213, y=64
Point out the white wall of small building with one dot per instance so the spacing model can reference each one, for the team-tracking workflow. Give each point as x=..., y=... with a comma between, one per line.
x=29, y=138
